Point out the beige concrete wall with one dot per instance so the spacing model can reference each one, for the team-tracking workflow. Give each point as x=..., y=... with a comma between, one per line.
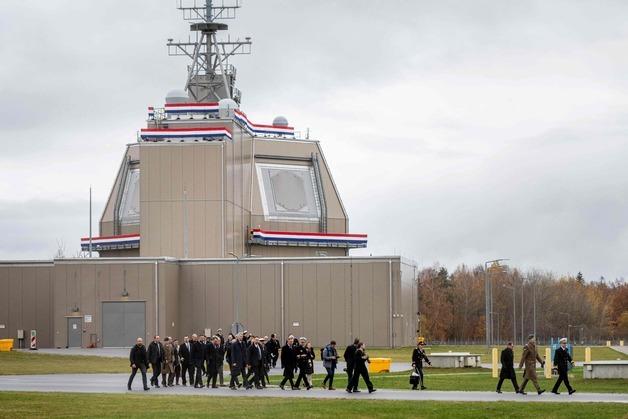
x=86, y=284
x=167, y=170
x=324, y=298
x=26, y=301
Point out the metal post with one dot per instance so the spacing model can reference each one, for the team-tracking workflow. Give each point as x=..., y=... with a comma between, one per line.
x=522, y=312
x=90, y=221
x=186, y=239
x=534, y=307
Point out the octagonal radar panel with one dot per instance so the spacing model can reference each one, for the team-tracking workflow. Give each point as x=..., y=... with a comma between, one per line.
x=177, y=96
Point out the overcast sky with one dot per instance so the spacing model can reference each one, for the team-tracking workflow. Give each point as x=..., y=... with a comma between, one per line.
x=456, y=131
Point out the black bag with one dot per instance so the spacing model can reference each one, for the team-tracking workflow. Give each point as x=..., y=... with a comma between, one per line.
x=414, y=377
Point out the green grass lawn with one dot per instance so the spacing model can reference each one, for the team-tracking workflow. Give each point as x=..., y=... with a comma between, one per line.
x=22, y=405
x=21, y=363
x=598, y=353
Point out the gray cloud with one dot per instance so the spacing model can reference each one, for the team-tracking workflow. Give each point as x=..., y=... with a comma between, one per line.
x=489, y=129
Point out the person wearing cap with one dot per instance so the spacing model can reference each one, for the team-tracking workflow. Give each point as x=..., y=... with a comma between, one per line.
x=529, y=358
x=303, y=357
x=562, y=360
x=418, y=355
x=508, y=368
x=288, y=363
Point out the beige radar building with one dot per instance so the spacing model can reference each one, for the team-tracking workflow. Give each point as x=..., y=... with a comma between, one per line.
x=214, y=221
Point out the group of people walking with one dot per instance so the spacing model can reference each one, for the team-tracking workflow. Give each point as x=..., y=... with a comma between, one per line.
x=529, y=358
x=249, y=357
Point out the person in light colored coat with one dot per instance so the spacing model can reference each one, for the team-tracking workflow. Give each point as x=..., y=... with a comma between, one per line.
x=529, y=358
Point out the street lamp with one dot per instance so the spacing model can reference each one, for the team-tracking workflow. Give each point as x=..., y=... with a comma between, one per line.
x=488, y=300
x=568, y=321
x=514, y=313
x=498, y=328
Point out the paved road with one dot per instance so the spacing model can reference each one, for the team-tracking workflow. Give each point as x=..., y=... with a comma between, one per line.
x=622, y=349
x=116, y=383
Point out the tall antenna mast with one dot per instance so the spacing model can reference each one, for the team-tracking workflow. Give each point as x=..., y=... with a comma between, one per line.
x=210, y=76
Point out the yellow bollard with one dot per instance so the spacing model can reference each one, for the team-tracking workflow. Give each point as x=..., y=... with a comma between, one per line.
x=587, y=354
x=494, y=352
x=548, y=362
x=621, y=343
x=608, y=343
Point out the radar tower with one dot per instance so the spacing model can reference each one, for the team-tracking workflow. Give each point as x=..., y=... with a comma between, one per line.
x=210, y=76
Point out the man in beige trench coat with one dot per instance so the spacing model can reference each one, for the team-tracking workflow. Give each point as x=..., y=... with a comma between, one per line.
x=529, y=358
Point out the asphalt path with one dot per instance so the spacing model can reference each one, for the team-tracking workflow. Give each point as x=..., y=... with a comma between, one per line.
x=116, y=384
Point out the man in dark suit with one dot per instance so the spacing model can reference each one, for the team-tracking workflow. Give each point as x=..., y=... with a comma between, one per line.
x=562, y=360
x=213, y=358
x=155, y=357
x=186, y=362
x=221, y=364
x=508, y=368
x=288, y=363
x=139, y=361
x=255, y=362
x=349, y=357
x=237, y=359
x=197, y=356
x=302, y=363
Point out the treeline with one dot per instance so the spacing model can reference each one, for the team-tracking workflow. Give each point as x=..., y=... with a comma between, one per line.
x=452, y=306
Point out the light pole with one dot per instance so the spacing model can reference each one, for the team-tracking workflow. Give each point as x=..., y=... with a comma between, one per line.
x=488, y=300
x=568, y=321
x=514, y=313
x=498, y=327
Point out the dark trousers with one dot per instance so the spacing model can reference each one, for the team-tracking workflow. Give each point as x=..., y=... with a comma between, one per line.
x=154, y=380
x=356, y=378
x=350, y=370
x=142, y=369
x=256, y=372
x=199, y=374
x=212, y=376
x=562, y=377
x=329, y=377
x=235, y=372
x=302, y=377
x=177, y=374
x=285, y=380
x=514, y=383
x=187, y=369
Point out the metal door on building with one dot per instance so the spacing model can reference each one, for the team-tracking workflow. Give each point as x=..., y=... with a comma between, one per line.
x=122, y=323
x=75, y=332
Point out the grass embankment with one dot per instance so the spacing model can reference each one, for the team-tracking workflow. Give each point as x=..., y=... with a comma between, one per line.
x=24, y=363
x=138, y=406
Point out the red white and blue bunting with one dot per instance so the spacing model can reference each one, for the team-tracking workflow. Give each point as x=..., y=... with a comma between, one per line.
x=161, y=134
x=286, y=238
x=263, y=130
x=125, y=241
x=191, y=108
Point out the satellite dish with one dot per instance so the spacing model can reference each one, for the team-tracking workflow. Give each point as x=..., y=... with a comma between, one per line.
x=177, y=96
x=280, y=121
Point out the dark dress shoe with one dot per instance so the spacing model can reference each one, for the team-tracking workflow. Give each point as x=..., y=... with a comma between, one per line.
x=308, y=387
x=357, y=391
x=541, y=392
x=128, y=388
x=499, y=392
x=282, y=387
x=572, y=392
x=555, y=392
x=423, y=388
x=146, y=388
x=372, y=390
x=348, y=390
x=522, y=392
